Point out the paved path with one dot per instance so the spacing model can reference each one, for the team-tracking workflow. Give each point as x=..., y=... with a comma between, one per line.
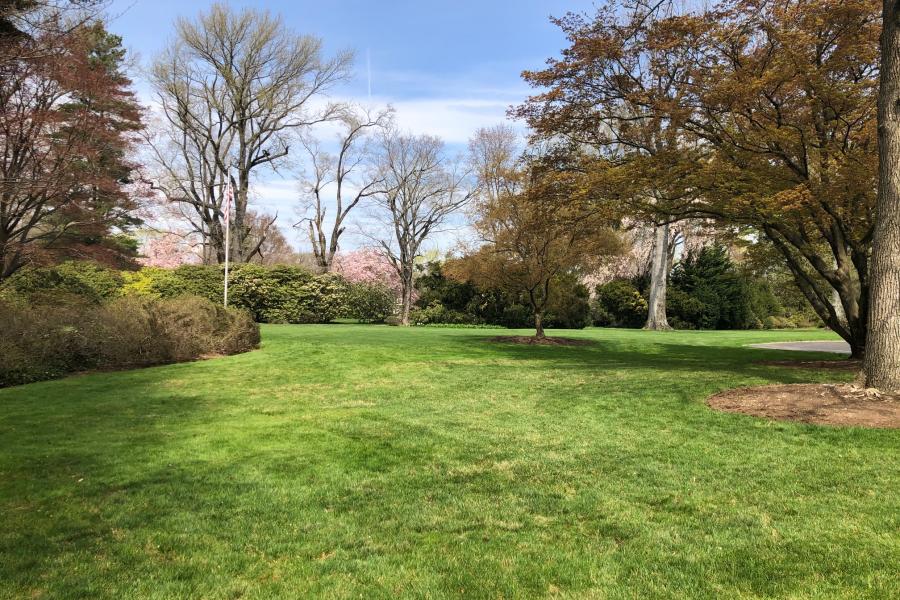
x=841, y=347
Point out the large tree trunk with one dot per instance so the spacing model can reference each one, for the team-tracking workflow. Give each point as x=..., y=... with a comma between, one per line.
x=406, y=292
x=659, y=274
x=883, y=352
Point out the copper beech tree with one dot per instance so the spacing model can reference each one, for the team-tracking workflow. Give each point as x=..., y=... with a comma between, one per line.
x=773, y=109
x=67, y=123
x=537, y=225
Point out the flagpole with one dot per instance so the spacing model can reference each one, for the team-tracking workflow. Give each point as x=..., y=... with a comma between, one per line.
x=228, y=194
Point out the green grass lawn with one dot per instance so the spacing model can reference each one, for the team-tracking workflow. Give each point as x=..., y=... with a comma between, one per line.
x=362, y=461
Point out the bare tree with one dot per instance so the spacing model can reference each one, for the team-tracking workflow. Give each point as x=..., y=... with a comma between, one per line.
x=34, y=19
x=349, y=170
x=272, y=247
x=232, y=89
x=423, y=189
x=493, y=154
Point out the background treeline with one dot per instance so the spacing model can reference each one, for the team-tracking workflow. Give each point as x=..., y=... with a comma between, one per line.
x=79, y=316
x=707, y=290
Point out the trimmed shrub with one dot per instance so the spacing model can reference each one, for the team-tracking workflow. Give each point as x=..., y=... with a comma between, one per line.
x=569, y=306
x=206, y=281
x=433, y=287
x=517, y=316
x=288, y=294
x=683, y=310
x=280, y=294
x=46, y=341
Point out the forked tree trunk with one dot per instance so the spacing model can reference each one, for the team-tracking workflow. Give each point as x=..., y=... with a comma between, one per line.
x=882, y=362
x=659, y=274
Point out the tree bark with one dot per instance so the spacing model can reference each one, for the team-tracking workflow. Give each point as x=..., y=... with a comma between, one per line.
x=406, y=283
x=659, y=274
x=851, y=323
x=882, y=364
x=539, y=325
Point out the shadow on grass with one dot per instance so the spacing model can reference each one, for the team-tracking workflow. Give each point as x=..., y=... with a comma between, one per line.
x=656, y=356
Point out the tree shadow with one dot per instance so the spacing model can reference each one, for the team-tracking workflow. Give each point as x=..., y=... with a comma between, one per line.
x=656, y=355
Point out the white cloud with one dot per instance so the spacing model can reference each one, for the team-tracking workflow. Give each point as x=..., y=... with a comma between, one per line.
x=454, y=120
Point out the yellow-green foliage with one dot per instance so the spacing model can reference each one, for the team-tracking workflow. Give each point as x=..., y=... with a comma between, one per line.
x=140, y=283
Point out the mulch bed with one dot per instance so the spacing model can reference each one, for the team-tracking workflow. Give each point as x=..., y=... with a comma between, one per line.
x=820, y=404
x=837, y=365
x=530, y=340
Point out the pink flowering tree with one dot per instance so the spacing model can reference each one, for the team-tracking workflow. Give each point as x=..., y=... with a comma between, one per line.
x=168, y=251
x=367, y=265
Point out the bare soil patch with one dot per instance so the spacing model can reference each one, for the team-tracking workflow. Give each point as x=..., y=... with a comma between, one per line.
x=530, y=340
x=837, y=365
x=820, y=404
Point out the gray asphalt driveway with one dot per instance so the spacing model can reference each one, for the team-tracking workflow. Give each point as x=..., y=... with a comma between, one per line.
x=841, y=347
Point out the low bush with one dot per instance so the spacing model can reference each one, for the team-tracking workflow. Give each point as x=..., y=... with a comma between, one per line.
x=436, y=313
x=464, y=326
x=619, y=304
x=44, y=341
x=370, y=302
x=775, y=322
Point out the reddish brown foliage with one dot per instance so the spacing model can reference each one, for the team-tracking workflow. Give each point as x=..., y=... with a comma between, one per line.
x=67, y=117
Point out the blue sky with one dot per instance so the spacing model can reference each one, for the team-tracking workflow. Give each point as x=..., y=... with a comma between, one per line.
x=447, y=67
